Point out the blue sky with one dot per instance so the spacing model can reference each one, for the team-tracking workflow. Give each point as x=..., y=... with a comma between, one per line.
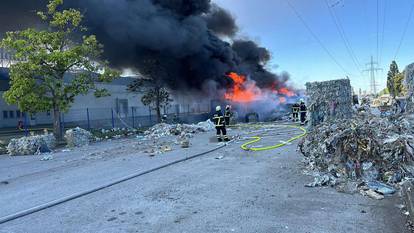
x=274, y=25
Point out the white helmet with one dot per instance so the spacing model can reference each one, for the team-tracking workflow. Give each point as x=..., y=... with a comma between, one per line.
x=218, y=108
x=227, y=106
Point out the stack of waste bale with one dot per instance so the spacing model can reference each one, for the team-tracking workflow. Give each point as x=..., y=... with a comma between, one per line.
x=409, y=82
x=77, y=137
x=329, y=100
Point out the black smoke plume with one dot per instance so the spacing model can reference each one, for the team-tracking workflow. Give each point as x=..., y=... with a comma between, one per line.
x=185, y=36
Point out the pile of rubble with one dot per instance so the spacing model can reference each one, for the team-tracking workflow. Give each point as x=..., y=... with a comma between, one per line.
x=77, y=137
x=31, y=145
x=115, y=133
x=181, y=130
x=364, y=153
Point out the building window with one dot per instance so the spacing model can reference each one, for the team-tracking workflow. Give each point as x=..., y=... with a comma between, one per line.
x=5, y=114
x=18, y=114
x=11, y=114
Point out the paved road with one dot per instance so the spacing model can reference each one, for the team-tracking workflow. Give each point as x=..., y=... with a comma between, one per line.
x=241, y=192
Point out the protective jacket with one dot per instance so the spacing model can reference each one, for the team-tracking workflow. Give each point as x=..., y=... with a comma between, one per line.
x=218, y=119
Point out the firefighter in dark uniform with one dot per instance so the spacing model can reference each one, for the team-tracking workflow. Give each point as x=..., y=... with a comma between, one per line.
x=295, y=112
x=227, y=115
x=303, y=110
x=218, y=120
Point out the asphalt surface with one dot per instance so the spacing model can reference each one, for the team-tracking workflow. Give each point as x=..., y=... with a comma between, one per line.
x=230, y=190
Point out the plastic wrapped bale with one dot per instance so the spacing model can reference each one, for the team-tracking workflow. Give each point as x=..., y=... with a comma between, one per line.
x=329, y=100
x=31, y=145
x=77, y=137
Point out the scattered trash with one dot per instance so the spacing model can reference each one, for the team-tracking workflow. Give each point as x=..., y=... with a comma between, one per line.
x=183, y=130
x=322, y=180
x=219, y=157
x=185, y=143
x=381, y=187
x=47, y=157
x=77, y=137
x=363, y=149
x=372, y=194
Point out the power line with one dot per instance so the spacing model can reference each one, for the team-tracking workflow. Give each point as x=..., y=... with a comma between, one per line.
x=344, y=38
x=384, y=17
x=404, y=32
x=377, y=29
x=316, y=37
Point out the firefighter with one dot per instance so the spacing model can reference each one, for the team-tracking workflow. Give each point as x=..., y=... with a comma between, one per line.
x=302, y=110
x=227, y=115
x=220, y=125
x=295, y=112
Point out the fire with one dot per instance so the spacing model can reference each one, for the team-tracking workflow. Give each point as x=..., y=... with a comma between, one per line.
x=243, y=90
x=286, y=92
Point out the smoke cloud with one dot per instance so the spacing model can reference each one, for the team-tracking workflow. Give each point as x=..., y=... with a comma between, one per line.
x=185, y=36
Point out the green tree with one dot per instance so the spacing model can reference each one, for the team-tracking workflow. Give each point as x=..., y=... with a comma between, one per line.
x=152, y=86
x=37, y=83
x=392, y=73
x=399, y=88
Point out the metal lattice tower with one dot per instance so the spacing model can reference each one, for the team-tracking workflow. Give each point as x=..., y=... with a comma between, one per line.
x=372, y=69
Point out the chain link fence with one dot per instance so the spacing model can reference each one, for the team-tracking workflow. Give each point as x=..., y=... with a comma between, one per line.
x=105, y=118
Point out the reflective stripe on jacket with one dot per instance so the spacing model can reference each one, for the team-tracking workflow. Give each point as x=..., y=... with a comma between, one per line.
x=218, y=119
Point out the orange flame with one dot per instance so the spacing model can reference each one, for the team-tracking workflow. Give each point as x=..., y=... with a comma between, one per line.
x=243, y=91
x=286, y=92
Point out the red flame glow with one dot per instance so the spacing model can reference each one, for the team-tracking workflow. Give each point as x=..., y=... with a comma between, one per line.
x=243, y=91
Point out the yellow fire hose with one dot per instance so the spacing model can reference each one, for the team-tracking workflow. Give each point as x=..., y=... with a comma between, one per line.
x=257, y=138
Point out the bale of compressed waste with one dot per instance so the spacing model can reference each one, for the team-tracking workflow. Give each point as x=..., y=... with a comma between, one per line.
x=31, y=145
x=329, y=100
x=409, y=81
x=77, y=137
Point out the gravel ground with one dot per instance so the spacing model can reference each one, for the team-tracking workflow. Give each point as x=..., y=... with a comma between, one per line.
x=226, y=191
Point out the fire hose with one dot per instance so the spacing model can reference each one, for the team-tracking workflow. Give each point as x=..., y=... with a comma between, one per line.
x=246, y=147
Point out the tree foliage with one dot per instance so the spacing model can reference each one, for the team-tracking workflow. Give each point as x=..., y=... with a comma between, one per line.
x=155, y=94
x=38, y=82
x=395, y=80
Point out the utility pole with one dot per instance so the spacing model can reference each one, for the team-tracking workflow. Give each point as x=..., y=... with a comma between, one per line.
x=372, y=69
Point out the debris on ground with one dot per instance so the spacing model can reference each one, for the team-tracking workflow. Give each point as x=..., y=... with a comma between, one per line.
x=3, y=147
x=183, y=130
x=163, y=136
x=77, y=137
x=31, y=145
x=372, y=194
x=47, y=157
x=374, y=152
x=115, y=133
